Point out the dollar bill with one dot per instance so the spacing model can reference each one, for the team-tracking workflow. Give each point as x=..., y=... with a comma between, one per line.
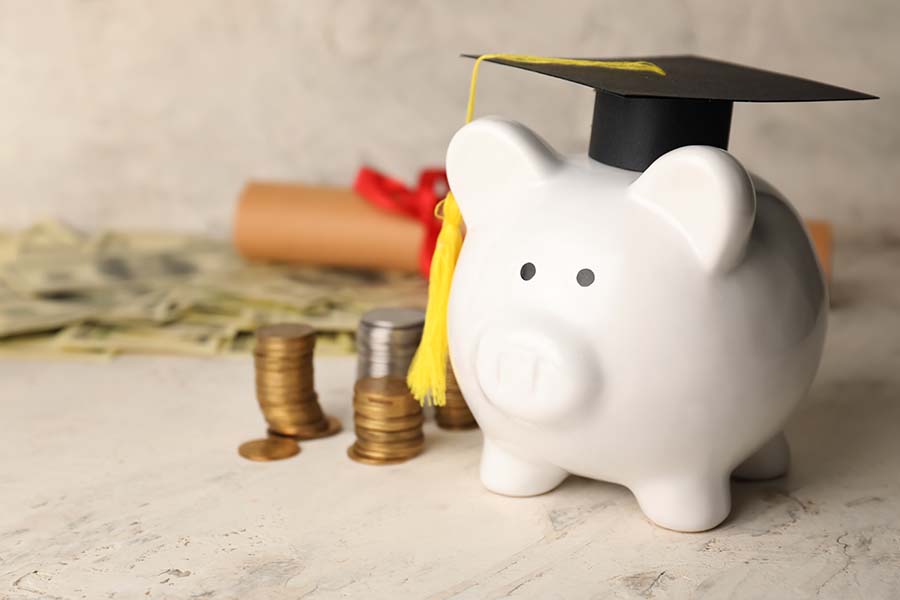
x=181, y=337
x=66, y=272
x=44, y=345
x=25, y=315
x=63, y=291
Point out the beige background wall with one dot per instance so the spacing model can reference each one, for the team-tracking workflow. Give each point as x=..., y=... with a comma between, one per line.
x=135, y=113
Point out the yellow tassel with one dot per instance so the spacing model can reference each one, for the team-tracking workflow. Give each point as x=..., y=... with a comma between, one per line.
x=427, y=377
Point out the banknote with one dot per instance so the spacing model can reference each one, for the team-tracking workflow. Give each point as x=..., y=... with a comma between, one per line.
x=44, y=345
x=64, y=291
x=179, y=337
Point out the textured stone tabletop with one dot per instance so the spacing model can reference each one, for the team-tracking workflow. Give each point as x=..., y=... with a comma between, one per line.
x=122, y=480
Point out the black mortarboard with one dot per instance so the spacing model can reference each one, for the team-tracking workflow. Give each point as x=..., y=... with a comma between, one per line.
x=639, y=116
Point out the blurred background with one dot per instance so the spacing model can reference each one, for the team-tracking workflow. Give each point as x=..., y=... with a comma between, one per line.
x=154, y=114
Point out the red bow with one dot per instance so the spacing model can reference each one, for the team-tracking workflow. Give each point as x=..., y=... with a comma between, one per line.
x=419, y=203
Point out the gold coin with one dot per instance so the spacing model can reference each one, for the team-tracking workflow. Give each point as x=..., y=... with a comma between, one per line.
x=289, y=402
x=277, y=343
x=388, y=436
x=280, y=343
x=270, y=448
x=284, y=378
x=329, y=426
x=289, y=409
x=286, y=386
x=361, y=458
x=279, y=401
x=287, y=376
x=269, y=369
x=286, y=370
x=295, y=419
x=283, y=383
x=296, y=430
x=391, y=448
x=462, y=426
x=274, y=346
x=382, y=387
x=362, y=395
x=376, y=408
x=291, y=389
x=283, y=350
x=453, y=408
x=454, y=418
x=361, y=449
x=280, y=331
x=286, y=358
x=391, y=424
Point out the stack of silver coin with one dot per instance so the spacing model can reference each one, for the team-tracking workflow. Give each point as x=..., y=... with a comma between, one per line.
x=386, y=340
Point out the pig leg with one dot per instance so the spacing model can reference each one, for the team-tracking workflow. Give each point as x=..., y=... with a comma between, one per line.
x=686, y=503
x=504, y=473
x=768, y=462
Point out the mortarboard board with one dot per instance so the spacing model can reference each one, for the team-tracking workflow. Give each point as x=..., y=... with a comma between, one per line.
x=641, y=115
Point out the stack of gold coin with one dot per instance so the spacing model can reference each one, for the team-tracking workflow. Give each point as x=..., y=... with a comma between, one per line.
x=388, y=422
x=284, y=382
x=455, y=414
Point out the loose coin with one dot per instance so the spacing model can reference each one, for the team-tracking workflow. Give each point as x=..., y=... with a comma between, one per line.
x=268, y=449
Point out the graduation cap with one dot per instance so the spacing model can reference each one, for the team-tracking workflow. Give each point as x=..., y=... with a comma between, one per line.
x=641, y=115
x=644, y=108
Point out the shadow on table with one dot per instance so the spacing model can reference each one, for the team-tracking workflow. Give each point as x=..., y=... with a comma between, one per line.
x=841, y=440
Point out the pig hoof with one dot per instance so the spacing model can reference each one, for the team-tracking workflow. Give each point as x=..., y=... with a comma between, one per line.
x=769, y=462
x=506, y=474
x=686, y=505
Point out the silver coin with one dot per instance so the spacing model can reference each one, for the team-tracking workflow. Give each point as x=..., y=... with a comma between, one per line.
x=380, y=371
x=387, y=340
x=387, y=348
x=385, y=333
x=394, y=318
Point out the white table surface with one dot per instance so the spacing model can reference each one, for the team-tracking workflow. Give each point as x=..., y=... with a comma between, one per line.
x=122, y=480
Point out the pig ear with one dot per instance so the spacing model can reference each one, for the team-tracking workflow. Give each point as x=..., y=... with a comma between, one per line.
x=708, y=196
x=488, y=160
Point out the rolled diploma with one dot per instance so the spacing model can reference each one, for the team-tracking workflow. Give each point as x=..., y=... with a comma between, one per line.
x=335, y=227
x=323, y=226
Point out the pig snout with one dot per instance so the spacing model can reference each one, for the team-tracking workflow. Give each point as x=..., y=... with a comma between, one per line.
x=537, y=373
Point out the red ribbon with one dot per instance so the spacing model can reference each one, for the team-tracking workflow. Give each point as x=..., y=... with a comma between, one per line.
x=418, y=203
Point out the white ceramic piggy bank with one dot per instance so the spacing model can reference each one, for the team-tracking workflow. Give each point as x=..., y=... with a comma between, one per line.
x=650, y=329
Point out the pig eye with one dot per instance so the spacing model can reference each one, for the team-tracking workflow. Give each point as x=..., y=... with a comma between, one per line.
x=585, y=277
x=527, y=271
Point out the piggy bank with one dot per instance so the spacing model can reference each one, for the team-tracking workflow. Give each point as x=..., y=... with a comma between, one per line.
x=649, y=329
